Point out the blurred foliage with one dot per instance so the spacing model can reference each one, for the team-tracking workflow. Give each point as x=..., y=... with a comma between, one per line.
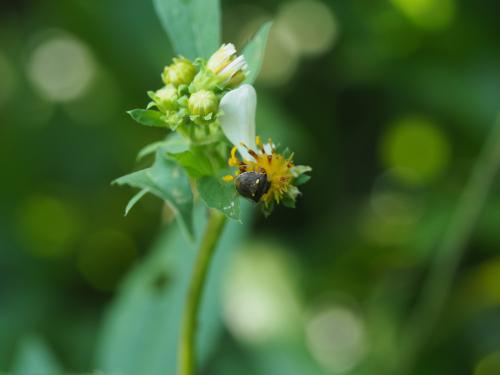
x=390, y=101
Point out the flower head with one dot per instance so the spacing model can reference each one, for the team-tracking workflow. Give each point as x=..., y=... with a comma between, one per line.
x=262, y=173
x=267, y=161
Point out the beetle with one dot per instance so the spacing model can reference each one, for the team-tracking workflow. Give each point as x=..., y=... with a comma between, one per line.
x=252, y=185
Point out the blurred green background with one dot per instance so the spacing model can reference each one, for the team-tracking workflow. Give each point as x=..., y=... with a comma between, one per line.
x=389, y=101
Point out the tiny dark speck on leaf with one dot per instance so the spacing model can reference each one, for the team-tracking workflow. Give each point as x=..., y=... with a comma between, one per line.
x=160, y=282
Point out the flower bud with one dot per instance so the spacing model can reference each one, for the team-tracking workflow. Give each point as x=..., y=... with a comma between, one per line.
x=236, y=80
x=166, y=98
x=221, y=58
x=227, y=66
x=203, y=103
x=181, y=72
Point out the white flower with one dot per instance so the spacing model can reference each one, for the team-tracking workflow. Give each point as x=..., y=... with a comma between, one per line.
x=238, y=117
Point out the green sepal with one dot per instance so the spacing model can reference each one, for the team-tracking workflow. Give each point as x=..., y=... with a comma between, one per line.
x=288, y=202
x=152, y=96
x=302, y=179
x=267, y=209
x=177, y=119
x=298, y=172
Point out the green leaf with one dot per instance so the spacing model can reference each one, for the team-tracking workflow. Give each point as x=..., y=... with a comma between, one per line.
x=148, y=117
x=149, y=149
x=254, y=52
x=136, y=198
x=220, y=195
x=141, y=329
x=139, y=179
x=193, y=26
x=34, y=357
x=174, y=143
x=194, y=162
x=168, y=181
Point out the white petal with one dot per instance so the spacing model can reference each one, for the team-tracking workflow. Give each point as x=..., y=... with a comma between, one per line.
x=268, y=148
x=221, y=57
x=238, y=117
x=234, y=66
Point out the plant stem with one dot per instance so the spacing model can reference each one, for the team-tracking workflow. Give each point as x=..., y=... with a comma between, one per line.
x=450, y=251
x=187, y=344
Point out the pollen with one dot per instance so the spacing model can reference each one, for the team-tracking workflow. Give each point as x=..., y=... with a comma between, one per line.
x=265, y=159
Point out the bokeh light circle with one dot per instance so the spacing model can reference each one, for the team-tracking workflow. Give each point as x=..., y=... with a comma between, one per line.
x=47, y=226
x=311, y=24
x=336, y=338
x=60, y=67
x=260, y=300
x=280, y=59
x=489, y=365
x=416, y=149
x=428, y=14
x=301, y=28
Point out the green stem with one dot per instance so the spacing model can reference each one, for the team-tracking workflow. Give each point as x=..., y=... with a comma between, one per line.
x=187, y=344
x=450, y=251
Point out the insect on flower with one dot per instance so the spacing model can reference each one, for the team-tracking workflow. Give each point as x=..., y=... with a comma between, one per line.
x=263, y=174
x=252, y=185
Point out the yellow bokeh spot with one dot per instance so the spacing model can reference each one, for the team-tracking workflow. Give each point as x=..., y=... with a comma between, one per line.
x=489, y=365
x=416, y=149
x=428, y=14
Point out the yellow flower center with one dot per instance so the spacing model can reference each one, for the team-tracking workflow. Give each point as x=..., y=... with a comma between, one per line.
x=266, y=160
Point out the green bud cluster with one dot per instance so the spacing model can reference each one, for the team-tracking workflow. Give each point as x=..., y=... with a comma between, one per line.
x=192, y=91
